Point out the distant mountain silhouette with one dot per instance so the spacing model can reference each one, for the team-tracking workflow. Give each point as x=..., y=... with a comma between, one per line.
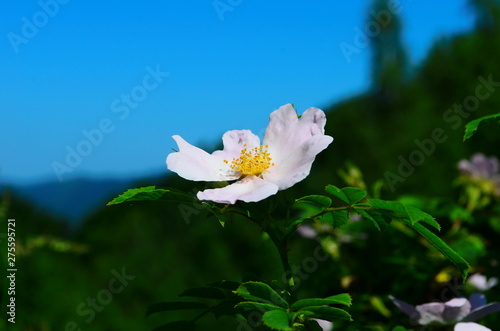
x=74, y=199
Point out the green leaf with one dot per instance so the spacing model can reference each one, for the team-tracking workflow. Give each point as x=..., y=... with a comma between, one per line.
x=377, y=218
x=225, y=307
x=472, y=126
x=442, y=247
x=354, y=194
x=416, y=215
x=294, y=225
x=350, y=195
x=260, y=292
x=336, y=192
x=151, y=193
x=337, y=219
x=176, y=326
x=400, y=328
x=222, y=217
x=226, y=285
x=403, y=211
x=250, y=306
x=320, y=201
x=180, y=305
x=204, y=292
x=342, y=299
x=326, y=313
x=279, y=320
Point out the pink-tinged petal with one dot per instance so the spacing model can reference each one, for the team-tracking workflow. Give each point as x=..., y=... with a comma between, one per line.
x=466, y=167
x=492, y=282
x=482, y=311
x=456, y=309
x=325, y=325
x=193, y=163
x=470, y=327
x=482, y=283
x=293, y=144
x=313, y=119
x=234, y=141
x=478, y=281
x=285, y=131
x=295, y=164
x=406, y=308
x=281, y=132
x=249, y=189
x=430, y=312
x=307, y=231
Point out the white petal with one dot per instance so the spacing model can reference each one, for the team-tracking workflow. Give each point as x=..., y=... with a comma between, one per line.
x=431, y=312
x=478, y=281
x=295, y=164
x=234, y=141
x=249, y=189
x=293, y=144
x=195, y=164
x=282, y=130
x=281, y=127
x=325, y=325
x=285, y=131
x=406, y=308
x=313, y=119
x=456, y=309
x=470, y=327
x=307, y=231
x=457, y=302
x=492, y=282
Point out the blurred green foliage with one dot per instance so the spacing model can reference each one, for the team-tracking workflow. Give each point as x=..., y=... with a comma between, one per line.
x=164, y=250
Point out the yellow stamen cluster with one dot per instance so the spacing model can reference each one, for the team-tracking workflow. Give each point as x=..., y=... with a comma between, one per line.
x=252, y=161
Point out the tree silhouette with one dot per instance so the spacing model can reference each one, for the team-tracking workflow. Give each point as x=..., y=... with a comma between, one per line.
x=389, y=59
x=487, y=14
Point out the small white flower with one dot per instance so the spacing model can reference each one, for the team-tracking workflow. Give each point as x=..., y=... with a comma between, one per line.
x=324, y=325
x=285, y=158
x=307, y=231
x=470, y=326
x=481, y=283
x=459, y=311
x=482, y=170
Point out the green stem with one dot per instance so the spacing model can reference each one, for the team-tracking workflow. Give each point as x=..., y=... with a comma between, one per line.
x=210, y=310
x=243, y=214
x=327, y=210
x=282, y=247
x=287, y=270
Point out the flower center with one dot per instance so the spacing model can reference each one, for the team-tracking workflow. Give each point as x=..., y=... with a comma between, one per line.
x=252, y=161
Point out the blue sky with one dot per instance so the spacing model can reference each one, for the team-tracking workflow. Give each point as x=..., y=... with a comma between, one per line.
x=97, y=88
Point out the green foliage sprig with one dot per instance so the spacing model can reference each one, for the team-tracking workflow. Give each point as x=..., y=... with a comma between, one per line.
x=279, y=308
